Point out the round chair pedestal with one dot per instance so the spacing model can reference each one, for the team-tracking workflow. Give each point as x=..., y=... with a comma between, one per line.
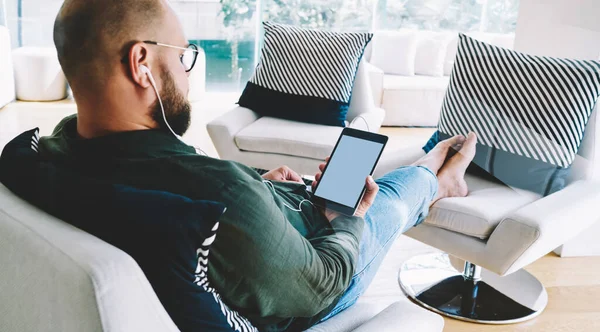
x=472, y=294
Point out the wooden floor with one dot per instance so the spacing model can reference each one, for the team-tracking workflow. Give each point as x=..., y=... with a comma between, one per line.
x=573, y=286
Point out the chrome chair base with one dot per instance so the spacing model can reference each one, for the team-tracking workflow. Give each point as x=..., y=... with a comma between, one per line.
x=472, y=294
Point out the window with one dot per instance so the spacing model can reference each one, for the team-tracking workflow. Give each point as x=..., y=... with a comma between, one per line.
x=339, y=15
x=30, y=21
x=2, y=13
x=230, y=34
x=452, y=15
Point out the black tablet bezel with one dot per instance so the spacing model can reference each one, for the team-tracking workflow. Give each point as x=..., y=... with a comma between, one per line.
x=343, y=209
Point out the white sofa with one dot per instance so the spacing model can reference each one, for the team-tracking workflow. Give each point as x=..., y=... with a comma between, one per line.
x=265, y=142
x=416, y=100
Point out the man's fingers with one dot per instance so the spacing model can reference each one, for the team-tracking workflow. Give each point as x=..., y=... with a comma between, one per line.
x=295, y=177
x=322, y=167
x=318, y=176
x=290, y=175
x=371, y=191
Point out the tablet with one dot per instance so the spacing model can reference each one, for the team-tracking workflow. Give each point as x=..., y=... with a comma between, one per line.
x=354, y=157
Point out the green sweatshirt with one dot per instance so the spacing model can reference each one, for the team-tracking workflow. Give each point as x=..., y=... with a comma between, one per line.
x=280, y=268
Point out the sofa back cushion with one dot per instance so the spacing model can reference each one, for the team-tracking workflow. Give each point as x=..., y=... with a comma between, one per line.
x=394, y=52
x=432, y=49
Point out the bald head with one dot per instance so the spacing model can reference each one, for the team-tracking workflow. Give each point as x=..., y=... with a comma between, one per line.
x=102, y=49
x=92, y=35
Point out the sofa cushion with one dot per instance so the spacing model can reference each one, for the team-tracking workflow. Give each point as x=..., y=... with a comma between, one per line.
x=432, y=49
x=271, y=135
x=305, y=75
x=413, y=101
x=481, y=211
x=168, y=235
x=394, y=52
x=529, y=112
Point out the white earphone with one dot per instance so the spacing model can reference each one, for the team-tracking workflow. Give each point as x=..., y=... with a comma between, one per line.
x=299, y=209
x=147, y=71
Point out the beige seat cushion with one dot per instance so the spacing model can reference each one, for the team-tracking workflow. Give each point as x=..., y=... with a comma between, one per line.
x=413, y=100
x=481, y=211
x=271, y=135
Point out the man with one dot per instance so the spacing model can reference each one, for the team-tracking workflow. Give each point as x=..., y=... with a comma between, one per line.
x=281, y=268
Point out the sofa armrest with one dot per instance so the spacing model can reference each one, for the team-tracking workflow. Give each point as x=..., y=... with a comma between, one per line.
x=369, y=121
x=404, y=316
x=222, y=130
x=376, y=80
x=538, y=228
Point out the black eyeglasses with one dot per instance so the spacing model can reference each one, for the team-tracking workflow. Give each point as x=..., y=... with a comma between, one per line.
x=188, y=58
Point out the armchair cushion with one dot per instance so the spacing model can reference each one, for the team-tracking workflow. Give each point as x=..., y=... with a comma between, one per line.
x=305, y=75
x=529, y=119
x=271, y=135
x=413, y=101
x=478, y=214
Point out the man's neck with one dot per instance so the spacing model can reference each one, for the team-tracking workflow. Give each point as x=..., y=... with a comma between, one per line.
x=104, y=116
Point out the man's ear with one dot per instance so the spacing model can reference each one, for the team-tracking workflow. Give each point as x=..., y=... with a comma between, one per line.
x=138, y=56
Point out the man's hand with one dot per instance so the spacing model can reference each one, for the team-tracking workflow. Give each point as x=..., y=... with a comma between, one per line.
x=283, y=174
x=369, y=197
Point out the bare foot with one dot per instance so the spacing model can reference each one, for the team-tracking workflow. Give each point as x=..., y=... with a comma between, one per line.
x=451, y=177
x=436, y=157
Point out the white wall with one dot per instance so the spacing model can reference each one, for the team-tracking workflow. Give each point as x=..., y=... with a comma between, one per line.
x=560, y=28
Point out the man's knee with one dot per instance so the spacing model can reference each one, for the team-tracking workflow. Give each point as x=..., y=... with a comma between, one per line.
x=413, y=179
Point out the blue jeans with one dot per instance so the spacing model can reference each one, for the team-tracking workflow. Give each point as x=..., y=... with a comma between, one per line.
x=402, y=202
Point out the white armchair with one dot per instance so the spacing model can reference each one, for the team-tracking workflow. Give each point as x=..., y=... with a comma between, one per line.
x=265, y=142
x=497, y=231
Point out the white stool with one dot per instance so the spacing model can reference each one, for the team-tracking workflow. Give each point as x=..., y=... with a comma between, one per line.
x=38, y=75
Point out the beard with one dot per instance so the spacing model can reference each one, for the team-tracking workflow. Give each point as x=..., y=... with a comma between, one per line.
x=177, y=108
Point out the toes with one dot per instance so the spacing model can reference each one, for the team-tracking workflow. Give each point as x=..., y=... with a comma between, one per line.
x=466, y=153
x=453, y=141
x=469, y=146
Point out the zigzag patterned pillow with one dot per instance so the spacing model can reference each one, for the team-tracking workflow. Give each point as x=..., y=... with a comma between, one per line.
x=305, y=75
x=529, y=112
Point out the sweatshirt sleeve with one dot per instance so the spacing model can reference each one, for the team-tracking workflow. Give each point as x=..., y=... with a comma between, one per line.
x=262, y=266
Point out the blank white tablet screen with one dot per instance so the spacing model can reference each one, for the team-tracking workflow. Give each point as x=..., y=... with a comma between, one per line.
x=348, y=169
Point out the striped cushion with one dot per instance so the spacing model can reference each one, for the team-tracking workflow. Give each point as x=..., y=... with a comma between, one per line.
x=305, y=75
x=529, y=112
